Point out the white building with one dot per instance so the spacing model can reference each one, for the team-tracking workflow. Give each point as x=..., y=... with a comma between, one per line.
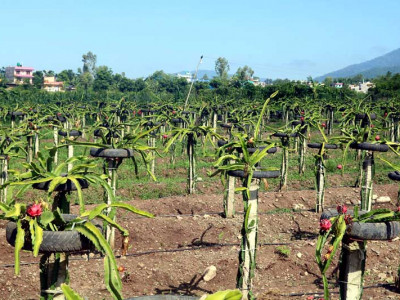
x=361, y=87
x=188, y=76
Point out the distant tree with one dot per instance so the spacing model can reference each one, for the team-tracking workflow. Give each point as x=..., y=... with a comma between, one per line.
x=205, y=77
x=38, y=79
x=157, y=75
x=249, y=90
x=222, y=67
x=220, y=86
x=117, y=80
x=85, y=80
x=126, y=85
x=49, y=73
x=89, y=63
x=139, y=84
x=103, y=79
x=67, y=76
x=160, y=82
x=244, y=73
x=358, y=78
x=88, y=71
x=328, y=81
x=387, y=86
x=281, y=81
x=3, y=80
x=26, y=84
x=268, y=81
x=201, y=85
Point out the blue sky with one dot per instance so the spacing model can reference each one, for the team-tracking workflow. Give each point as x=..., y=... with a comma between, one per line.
x=278, y=39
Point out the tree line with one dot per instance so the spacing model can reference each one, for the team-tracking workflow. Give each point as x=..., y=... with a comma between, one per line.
x=159, y=85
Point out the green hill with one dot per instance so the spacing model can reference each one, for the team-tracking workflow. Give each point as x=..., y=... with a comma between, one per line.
x=389, y=62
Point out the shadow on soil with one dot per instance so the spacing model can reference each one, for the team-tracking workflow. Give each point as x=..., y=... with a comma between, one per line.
x=186, y=288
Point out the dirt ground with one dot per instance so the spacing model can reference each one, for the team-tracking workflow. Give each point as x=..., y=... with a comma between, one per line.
x=170, y=252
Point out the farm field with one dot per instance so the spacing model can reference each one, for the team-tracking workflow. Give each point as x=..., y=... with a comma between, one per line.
x=176, y=150
x=177, y=168
x=188, y=235
x=170, y=252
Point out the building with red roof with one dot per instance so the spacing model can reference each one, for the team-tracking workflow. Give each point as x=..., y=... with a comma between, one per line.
x=19, y=74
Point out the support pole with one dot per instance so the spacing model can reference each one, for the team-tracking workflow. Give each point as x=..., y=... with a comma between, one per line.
x=229, y=196
x=351, y=269
x=247, y=256
x=366, y=184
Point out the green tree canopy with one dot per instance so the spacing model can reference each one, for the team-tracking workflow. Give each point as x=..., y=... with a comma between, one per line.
x=222, y=67
x=103, y=79
x=245, y=73
x=67, y=76
x=38, y=79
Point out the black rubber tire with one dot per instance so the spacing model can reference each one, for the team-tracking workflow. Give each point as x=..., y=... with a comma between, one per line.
x=66, y=187
x=367, y=231
x=151, y=124
x=256, y=174
x=71, y=133
x=111, y=153
x=221, y=143
x=330, y=213
x=97, y=132
x=62, y=119
x=319, y=145
x=370, y=147
x=17, y=113
x=56, y=241
x=177, y=120
x=280, y=134
x=252, y=150
x=164, y=297
x=372, y=116
x=374, y=231
x=394, y=175
x=359, y=116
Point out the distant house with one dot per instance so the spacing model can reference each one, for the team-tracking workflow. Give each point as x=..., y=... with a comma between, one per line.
x=362, y=87
x=257, y=82
x=187, y=75
x=338, y=85
x=51, y=85
x=19, y=74
x=70, y=88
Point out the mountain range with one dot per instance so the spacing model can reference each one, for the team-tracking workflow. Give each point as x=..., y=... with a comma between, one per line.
x=378, y=66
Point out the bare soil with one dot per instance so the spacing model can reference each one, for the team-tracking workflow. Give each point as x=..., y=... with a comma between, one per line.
x=170, y=252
